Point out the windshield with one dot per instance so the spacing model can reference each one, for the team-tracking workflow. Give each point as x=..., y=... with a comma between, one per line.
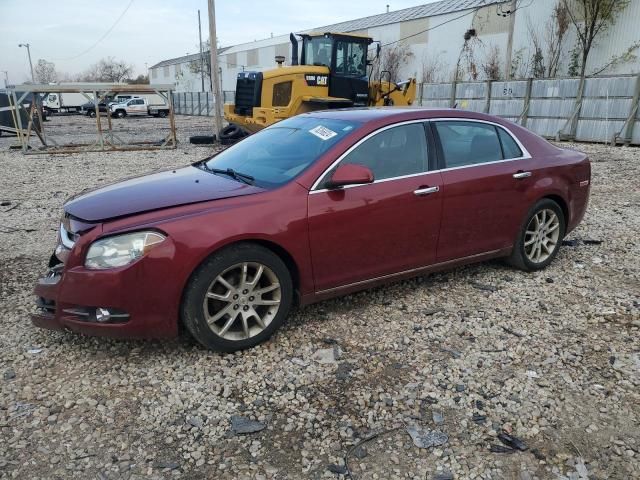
x=351, y=59
x=317, y=51
x=279, y=153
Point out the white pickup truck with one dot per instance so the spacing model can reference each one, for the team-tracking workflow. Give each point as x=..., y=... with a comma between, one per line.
x=138, y=106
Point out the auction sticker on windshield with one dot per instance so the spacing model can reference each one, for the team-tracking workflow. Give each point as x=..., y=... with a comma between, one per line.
x=323, y=132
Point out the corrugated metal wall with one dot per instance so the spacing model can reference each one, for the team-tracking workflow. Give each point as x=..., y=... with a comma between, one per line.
x=550, y=107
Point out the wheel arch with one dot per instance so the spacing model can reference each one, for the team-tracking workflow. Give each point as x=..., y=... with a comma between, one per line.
x=562, y=203
x=286, y=257
x=274, y=247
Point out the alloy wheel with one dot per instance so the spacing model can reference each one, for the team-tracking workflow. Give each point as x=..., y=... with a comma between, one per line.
x=242, y=301
x=542, y=235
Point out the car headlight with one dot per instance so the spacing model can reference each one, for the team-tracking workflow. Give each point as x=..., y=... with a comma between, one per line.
x=121, y=250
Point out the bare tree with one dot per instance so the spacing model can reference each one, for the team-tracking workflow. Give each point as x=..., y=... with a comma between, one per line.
x=555, y=34
x=197, y=67
x=466, y=58
x=537, y=59
x=591, y=19
x=391, y=61
x=519, y=65
x=491, y=66
x=432, y=68
x=108, y=70
x=628, y=55
x=139, y=80
x=45, y=72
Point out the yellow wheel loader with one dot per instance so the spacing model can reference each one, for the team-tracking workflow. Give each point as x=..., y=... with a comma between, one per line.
x=331, y=72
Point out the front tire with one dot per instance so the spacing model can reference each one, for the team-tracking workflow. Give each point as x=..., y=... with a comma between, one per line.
x=237, y=298
x=540, y=237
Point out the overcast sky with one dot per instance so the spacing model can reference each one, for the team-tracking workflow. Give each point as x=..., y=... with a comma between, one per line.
x=153, y=30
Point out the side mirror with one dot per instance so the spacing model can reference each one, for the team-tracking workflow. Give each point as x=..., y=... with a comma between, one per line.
x=350, y=174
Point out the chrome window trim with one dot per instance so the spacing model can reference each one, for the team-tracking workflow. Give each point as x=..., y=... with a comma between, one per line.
x=525, y=152
x=360, y=142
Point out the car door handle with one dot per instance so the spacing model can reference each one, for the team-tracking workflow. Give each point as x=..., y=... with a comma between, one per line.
x=426, y=191
x=521, y=175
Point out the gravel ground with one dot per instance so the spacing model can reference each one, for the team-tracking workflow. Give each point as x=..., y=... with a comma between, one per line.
x=552, y=358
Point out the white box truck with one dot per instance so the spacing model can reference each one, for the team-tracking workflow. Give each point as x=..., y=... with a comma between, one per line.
x=63, y=102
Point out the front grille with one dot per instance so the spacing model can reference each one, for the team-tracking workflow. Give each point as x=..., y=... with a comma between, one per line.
x=248, y=90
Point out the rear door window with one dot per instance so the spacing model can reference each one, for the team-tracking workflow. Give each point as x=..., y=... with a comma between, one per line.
x=468, y=143
x=510, y=148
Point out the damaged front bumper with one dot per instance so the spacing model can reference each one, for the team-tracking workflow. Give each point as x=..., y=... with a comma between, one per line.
x=126, y=302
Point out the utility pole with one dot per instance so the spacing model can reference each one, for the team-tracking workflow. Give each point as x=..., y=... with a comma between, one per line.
x=512, y=23
x=6, y=78
x=33, y=79
x=201, y=52
x=215, y=82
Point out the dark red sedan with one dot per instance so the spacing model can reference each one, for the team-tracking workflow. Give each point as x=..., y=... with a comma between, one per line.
x=315, y=206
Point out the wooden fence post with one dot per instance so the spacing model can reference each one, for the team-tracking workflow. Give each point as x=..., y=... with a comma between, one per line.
x=452, y=98
x=487, y=97
x=524, y=116
x=633, y=112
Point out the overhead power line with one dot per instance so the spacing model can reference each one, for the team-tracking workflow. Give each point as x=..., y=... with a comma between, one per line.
x=488, y=3
x=101, y=38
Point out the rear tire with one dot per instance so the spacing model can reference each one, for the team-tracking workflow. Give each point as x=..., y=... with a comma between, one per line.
x=92, y=114
x=540, y=237
x=162, y=114
x=237, y=298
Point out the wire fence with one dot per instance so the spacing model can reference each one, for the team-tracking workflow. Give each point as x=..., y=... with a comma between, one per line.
x=597, y=109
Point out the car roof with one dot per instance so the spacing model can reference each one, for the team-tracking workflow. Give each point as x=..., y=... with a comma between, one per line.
x=395, y=114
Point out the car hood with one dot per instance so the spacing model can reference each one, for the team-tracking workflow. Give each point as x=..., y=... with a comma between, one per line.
x=164, y=189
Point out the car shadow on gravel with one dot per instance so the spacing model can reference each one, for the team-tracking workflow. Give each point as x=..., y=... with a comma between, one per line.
x=392, y=295
x=481, y=275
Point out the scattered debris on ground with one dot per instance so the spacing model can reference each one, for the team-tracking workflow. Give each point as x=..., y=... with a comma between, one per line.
x=554, y=364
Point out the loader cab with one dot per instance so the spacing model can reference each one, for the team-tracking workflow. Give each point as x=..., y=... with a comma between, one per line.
x=346, y=57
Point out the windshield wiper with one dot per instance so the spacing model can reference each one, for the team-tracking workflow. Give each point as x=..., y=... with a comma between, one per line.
x=243, y=177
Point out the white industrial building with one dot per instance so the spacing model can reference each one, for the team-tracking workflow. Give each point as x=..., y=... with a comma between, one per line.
x=434, y=35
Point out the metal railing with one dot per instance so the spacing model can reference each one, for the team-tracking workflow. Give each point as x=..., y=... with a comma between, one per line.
x=198, y=103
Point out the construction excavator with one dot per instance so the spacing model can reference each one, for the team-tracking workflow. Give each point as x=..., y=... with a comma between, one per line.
x=330, y=72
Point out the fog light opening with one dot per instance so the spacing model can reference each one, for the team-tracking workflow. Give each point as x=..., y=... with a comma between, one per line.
x=102, y=315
